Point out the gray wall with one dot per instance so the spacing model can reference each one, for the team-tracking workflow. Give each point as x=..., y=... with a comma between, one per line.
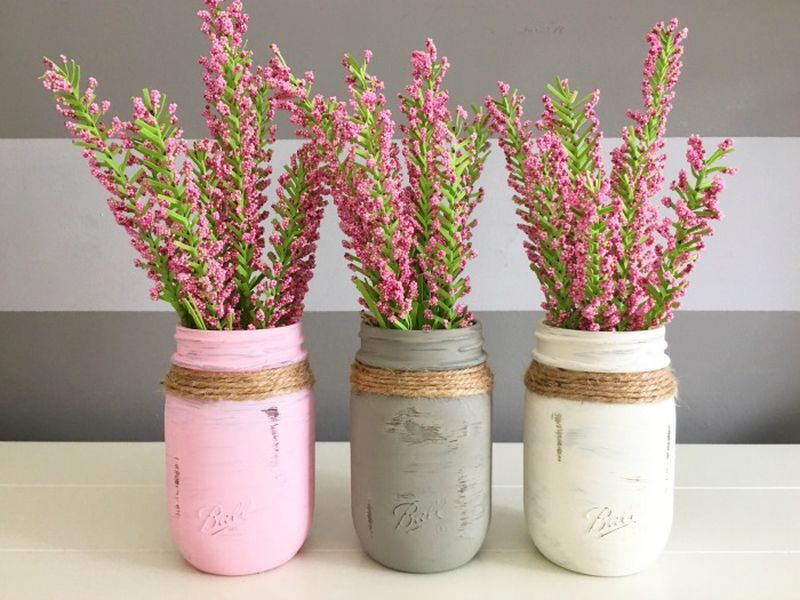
x=739, y=79
x=82, y=350
x=96, y=376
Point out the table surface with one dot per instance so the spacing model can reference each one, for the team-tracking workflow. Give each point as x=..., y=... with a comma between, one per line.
x=88, y=520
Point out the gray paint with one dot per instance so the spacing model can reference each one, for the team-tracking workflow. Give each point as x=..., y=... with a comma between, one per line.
x=420, y=467
x=421, y=479
x=437, y=350
x=737, y=79
x=95, y=376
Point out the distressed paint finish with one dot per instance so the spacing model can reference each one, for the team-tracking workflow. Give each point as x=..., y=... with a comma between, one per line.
x=599, y=477
x=240, y=474
x=421, y=467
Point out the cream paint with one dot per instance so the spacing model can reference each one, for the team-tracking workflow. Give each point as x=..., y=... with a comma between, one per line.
x=240, y=474
x=599, y=478
x=601, y=351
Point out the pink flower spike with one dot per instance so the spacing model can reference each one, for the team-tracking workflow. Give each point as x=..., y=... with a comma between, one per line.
x=605, y=257
x=196, y=217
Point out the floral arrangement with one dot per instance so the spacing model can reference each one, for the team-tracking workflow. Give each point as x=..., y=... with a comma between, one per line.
x=408, y=232
x=604, y=255
x=195, y=212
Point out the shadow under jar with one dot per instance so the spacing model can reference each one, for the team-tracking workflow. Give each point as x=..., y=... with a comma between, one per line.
x=239, y=432
x=599, y=448
x=421, y=447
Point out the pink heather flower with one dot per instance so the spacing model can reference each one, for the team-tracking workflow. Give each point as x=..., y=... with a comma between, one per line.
x=407, y=242
x=696, y=155
x=726, y=144
x=195, y=217
x=604, y=256
x=370, y=100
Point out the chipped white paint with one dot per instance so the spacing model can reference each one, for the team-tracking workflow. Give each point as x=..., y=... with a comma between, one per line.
x=599, y=477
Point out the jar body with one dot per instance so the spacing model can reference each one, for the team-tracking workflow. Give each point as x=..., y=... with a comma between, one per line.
x=599, y=476
x=240, y=473
x=421, y=467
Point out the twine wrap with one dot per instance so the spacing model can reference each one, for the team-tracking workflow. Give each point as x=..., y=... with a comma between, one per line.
x=454, y=383
x=238, y=385
x=612, y=388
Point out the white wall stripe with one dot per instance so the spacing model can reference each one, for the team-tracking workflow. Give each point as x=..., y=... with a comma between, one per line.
x=60, y=249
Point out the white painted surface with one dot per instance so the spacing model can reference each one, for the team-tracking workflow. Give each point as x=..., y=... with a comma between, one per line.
x=60, y=249
x=87, y=521
x=599, y=477
x=599, y=482
x=601, y=351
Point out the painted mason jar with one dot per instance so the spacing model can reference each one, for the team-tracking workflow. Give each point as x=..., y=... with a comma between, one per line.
x=600, y=448
x=239, y=431
x=421, y=447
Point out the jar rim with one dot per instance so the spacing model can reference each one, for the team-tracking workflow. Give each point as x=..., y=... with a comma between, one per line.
x=238, y=349
x=418, y=350
x=601, y=351
x=654, y=332
x=264, y=331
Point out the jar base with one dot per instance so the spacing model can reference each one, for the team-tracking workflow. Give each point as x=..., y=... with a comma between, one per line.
x=243, y=570
x=421, y=569
x=597, y=571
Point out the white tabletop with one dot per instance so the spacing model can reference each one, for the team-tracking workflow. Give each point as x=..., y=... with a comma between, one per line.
x=88, y=520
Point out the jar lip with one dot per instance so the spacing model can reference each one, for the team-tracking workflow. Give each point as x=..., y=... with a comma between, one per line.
x=601, y=351
x=417, y=350
x=390, y=331
x=266, y=332
x=656, y=332
x=238, y=349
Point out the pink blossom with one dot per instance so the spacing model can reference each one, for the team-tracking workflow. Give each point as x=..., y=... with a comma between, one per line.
x=604, y=256
x=195, y=215
x=407, y=243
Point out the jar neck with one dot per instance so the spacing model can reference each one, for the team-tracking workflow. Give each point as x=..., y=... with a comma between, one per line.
x=435, y=350
x=601, y=351
x=238, y=350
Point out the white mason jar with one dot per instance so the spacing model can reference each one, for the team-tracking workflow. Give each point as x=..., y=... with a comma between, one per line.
x=599, y=475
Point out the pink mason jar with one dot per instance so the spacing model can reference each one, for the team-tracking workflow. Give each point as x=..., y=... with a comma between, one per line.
x=240, y=470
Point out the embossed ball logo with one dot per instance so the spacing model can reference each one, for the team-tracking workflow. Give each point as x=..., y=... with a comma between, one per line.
x=603, y=521
x=216, y=519
x=411, y=515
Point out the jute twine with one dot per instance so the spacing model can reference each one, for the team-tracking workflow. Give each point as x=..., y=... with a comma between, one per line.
x=238, y=385
x=613, y=388
x=422, y=384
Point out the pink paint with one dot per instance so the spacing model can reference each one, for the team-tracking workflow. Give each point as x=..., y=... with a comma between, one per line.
x=240, y=474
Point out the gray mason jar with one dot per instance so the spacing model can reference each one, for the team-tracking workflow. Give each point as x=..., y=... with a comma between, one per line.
x=421, y=466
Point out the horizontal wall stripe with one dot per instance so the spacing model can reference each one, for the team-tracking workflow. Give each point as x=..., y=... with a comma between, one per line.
x=740, y=55
x=95, y=376
x=61, y=250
